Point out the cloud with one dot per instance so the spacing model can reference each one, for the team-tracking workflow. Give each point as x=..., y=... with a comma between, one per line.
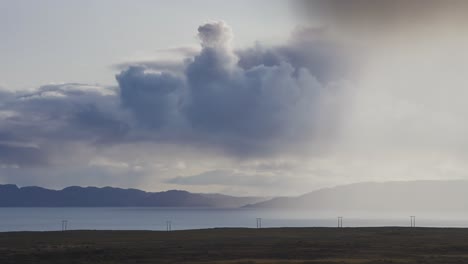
x=20, y=156
x=245, y=102
x=258, y=101
x=55, y=115
x=309, y=48
x=152, y=96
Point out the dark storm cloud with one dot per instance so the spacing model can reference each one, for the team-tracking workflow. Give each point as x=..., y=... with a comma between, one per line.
x=252, y=101
x=89, y=120
x=152, y=96
x=16, y=152
x=21, y=156
x=71, y=112
x=54, y=115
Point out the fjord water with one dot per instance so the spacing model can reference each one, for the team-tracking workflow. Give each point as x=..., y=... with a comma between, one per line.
x=152, y=218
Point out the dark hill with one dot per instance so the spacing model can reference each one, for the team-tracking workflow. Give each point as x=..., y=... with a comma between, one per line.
x=13, y=196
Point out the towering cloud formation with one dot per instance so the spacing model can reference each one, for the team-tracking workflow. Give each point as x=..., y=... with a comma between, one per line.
x=254, y=101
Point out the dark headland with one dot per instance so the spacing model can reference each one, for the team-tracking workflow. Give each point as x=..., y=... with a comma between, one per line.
x=277, y=245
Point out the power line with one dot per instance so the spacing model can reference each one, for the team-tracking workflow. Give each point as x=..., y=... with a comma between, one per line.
x=413, y=221
x=64, y=225
x=340, y=221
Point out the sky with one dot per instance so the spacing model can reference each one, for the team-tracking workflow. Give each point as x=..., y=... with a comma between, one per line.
x=240, y=97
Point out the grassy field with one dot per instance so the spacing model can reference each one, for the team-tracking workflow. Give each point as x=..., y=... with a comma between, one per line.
x=269, y=245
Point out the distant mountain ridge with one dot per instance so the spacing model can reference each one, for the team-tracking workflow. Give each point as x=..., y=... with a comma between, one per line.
x=384, y=196
x=74, y=196
x=371, y=196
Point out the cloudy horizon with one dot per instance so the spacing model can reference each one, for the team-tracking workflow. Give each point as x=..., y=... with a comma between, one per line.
x=303, y=96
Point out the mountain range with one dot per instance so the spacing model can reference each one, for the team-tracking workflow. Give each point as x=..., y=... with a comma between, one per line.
x=381, y=196
x=366, y=196
x=13, y=196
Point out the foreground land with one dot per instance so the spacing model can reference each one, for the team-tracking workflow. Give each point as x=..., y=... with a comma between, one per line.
x=275, y=245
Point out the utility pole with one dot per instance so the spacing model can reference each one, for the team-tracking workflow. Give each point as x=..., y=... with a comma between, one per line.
x=259, y=223
x=340, y=221
x=64, y=225
x=168, y=226
x=413, y=221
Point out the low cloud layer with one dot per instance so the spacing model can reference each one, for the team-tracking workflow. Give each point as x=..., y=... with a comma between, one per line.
x=34, y=123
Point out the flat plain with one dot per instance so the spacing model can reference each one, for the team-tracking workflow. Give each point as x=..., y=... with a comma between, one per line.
x=239, y=245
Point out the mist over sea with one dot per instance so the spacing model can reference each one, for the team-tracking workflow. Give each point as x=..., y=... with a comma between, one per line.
x=155, y=218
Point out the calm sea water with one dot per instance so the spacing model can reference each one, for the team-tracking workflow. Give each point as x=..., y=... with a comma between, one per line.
x=151, y=218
